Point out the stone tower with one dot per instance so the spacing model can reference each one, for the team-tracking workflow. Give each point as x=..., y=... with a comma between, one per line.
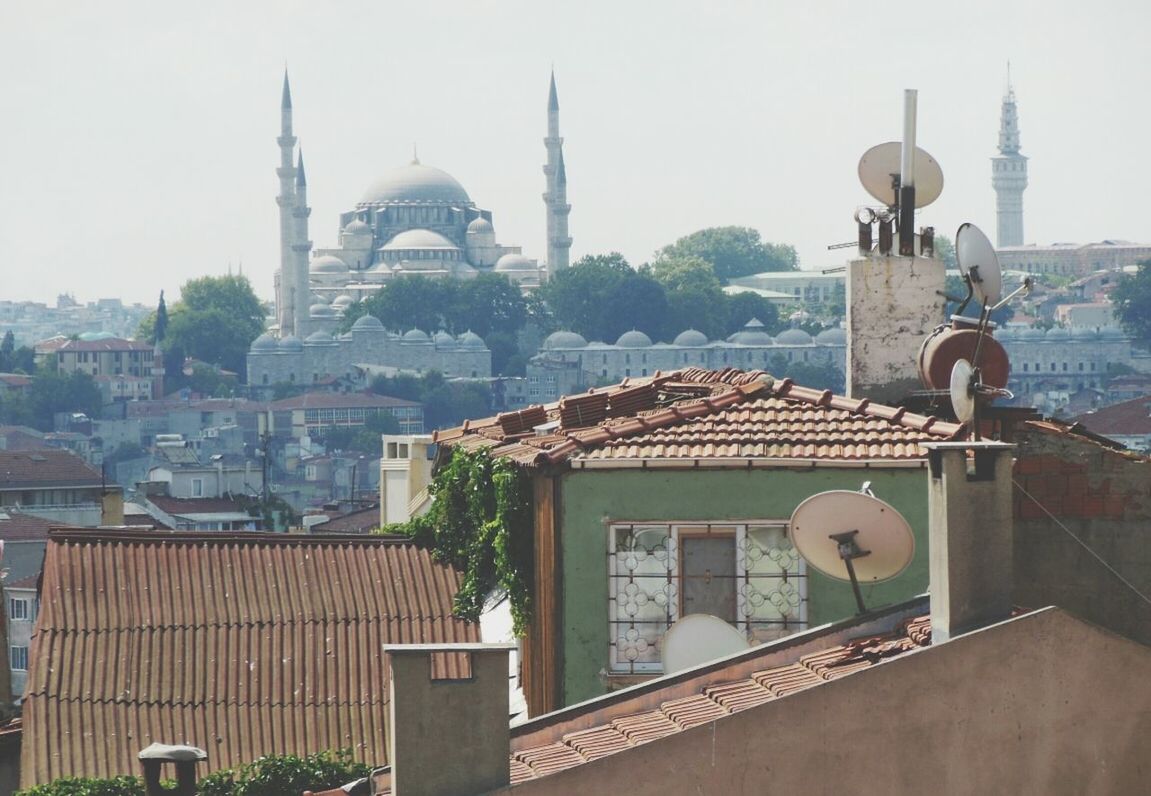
x=286, y=282
x=555, y=199
x=1009, y=174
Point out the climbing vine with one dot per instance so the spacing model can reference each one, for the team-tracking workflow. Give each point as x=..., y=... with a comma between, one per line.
x=480, y=522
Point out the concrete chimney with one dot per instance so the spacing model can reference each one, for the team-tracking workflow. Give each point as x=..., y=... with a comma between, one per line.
x=448, y=735
x=185, y=758
x=970, y=535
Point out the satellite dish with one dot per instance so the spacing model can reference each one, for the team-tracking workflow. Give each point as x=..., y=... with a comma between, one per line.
x=699, y=638
x=879, y=173
x=852, y=536
x=962, y=396
x=979, y=263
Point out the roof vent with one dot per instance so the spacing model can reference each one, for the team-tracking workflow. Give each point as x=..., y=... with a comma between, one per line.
x=546, y=429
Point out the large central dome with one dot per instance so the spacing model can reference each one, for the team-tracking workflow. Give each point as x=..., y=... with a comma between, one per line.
x=416, y=183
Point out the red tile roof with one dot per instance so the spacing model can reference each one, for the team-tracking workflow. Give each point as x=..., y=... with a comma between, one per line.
x=703, y=414
x=335, y=400
x=107, y=344
x=1126, y=419
x=242, y=644
x=51, y=467
x=16, y=526
x=359, y=521
x=184, y=506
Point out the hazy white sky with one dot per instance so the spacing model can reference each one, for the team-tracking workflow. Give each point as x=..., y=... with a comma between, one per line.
x=137, y=139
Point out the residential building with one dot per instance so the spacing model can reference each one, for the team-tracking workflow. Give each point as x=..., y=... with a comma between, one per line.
x=22, y=604
x=313, y=412
x=808, y=289
x=60, y=486
x=183, y=474
x=202, y=514
x=405, y=473
x=1073, y=259
x=1128, y=423
x=122, y=369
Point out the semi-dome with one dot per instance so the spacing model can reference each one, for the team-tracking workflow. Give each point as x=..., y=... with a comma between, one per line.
x=793, y=337
x=470, y=339
x=357, y=227
x=416, y=183
x=369, y=323
x=419, y=239
x=832, y=336
x=562, y=339
x=480, y=225
x=264, y=342
x=415, y=336
x=1057, y=333
x=690, y=338
x=290, y=343
x=752, y=333
x=514, y=262
x=633, y=339
x=328, y=264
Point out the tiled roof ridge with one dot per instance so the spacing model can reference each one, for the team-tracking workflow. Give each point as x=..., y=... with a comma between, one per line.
x=789, y=390
x=372, y=700
x=295, y=621
x=719, y=700
x=128, y=535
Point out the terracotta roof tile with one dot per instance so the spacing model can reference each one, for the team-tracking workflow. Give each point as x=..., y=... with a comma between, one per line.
x=644, y=727
x=693, y=710
x=1125, y=418
x=597, y=742
x=46, y=468
x=549, y=759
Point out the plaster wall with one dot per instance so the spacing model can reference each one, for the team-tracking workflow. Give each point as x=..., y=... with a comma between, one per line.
x=591, y=500
x=1041, y=704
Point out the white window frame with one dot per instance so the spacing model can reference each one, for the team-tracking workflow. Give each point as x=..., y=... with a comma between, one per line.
x=18, y=658
x=633, y=644
x=197, y=487
x=19, y=609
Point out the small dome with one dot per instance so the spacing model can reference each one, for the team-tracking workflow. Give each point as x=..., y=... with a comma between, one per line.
x=833, y=336
x=1006, y=334
x=470, y=339
x=1112, y=333
x=480, y=225
x=415, y=336
x=1057, y=333
x=321, y=311
x=343, y=302
x=1084, y=333
x=563, y=339
x=753, y=333
x=368, y=323
x=691, y=338
x=328, y=264
x=318, y=337
x=419, y=239
x=290, y=343
x=416, y=183
x=793, y=337
x=443, y=338
x=515, y=262
x=1030, y=333
x=633, y=339
x=264, y=342
x=357, y=227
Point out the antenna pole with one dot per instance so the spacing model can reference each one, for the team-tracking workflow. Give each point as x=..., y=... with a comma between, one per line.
x=907, y=176
x=849, y=550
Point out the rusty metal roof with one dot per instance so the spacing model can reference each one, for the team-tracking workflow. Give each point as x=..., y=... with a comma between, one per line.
x=240, y=644
x=696, y=414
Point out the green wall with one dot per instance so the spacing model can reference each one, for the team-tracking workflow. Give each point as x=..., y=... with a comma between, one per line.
x=589, y=499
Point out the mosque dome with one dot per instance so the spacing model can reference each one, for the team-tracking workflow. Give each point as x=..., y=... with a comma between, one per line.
x=514, y=262
x=1057, y=333
x=321, y=311
x=415, y=336
x=1030, y=333
x=1084, y=333
x=290, y=343
x=1006, y=334
x=318, y=337
x=470, y=339
x=480, y=225
x=343, y=302
x=357, y=227
x=690, y=338
x=793, y=337
x=633, y=339
x=753, y=333
x=1112, y=333
x=418, y=239
x=328, y=264
x=416, y=183
x=264, y=342
x=368, y=323
x=564, y=339
x=833, y=336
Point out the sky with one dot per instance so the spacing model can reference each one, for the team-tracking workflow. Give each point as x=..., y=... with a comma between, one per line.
x=137, y=139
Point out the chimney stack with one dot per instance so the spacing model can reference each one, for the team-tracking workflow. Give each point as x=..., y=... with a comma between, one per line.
x=970, y=535
x=448, y=732
x=156, y=755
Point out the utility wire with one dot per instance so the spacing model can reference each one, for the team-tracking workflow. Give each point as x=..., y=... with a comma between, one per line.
x=1082, y=544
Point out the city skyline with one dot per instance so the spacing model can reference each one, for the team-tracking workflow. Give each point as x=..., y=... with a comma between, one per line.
x=140, y=147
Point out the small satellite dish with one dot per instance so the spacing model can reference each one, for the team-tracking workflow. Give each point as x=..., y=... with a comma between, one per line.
x=962, y=396
x=979, y=263
x=699, y=638
x=852, y=536
x=879, y=173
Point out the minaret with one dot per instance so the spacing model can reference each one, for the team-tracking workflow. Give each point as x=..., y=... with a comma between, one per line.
x=555, y=199
x=301, y=252
x=1009, y=174
x=285, y=278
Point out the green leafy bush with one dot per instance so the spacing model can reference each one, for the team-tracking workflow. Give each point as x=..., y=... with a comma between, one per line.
x=85, y=786
x=277, y=775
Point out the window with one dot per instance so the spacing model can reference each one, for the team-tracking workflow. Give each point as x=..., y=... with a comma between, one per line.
x=1024, y=367
x=18, y=609
x=18, y=658
x=197, y=487
x=747, y=574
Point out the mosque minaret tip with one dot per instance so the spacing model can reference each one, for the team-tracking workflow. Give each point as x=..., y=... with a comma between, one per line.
x=286, y=282
x=555, y=199
x=1009, y=173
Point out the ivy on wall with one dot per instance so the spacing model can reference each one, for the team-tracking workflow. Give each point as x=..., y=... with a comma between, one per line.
x=481, y=523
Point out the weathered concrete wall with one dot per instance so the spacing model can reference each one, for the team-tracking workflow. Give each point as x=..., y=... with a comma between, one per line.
x=1041, y=704
x=893, y=303
x=1103, y=497
x=590, y=500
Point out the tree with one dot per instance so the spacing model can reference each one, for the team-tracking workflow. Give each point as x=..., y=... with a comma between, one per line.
x=577, y=296
x=410, y=302
x=51, y=393
x=743, y=307
x=733, y=252
x=637, y=302
x=13, y=359
x=160, y=328
x=945, y=251
x=1132, y=300
x=489, y=303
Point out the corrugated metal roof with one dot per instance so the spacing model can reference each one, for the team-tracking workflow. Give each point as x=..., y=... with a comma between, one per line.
x=241, y=644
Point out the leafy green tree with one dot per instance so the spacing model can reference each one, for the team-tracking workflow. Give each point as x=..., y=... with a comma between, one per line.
x=160, y=327
x=945, y=251
x=489, y=303
x=743, y=307
x=577, y=296
x=51, y=393
x=637, y=302
x=409, y=302
x=506, y=354
x=278, y=775
x=1132, y=300
x=13, y=359
x=733, y=252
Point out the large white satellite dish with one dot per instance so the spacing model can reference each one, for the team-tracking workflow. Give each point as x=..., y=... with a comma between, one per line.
x=879, y=172
x=962, y=393
x=979, y=263
x=699, y=638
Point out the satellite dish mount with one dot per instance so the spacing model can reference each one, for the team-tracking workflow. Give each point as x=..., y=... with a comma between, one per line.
x=849, y=550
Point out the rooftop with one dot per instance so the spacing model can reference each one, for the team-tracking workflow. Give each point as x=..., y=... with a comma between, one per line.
x=706, y=416
x=331, y=400
x=16, y=526
x=1125, y=418
x=51, y=467
x=107, y=344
